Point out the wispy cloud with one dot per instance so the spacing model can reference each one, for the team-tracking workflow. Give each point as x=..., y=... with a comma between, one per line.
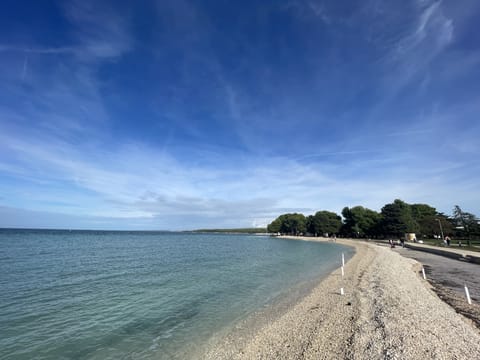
x=140, y=183
x=237, y=120
x=58, y=85
x=408, y=41
x=38, y=50
x=101, y=31
x=430, y=34
x=308, y=8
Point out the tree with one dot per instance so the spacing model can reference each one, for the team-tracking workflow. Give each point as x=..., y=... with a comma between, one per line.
x=310, y=223
x=324, y=222
x=292, y=224
x=275, y=226
x=397, y=219
x=466, y=222
x=425, y=218
x=360, y=221
x=430, y=225
x=295, y=224
x=420, y=211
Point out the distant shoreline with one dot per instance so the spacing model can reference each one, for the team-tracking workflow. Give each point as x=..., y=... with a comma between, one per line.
x=256, y=231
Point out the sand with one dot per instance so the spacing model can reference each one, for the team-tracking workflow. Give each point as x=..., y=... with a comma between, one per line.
x=388, y=312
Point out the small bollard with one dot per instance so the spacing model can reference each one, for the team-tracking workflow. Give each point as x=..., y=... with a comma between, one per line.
x=341, y=291
x=343, y=259
x=423, y=273
x=467, y=293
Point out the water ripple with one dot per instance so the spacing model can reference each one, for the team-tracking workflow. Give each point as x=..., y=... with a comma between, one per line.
x=110, y=295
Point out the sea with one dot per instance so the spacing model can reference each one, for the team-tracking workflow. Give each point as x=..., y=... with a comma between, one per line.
x=143, y=295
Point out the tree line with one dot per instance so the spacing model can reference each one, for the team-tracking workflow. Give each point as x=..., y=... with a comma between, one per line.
x=394, y=220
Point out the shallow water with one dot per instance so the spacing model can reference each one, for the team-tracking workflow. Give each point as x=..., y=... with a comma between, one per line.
x=142, y=295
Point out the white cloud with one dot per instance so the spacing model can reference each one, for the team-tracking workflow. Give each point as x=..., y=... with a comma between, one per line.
x=55, y=151
x=426, y=37
x=309, y=8
x=28, y=49
x=135, y=182
x=101, y=31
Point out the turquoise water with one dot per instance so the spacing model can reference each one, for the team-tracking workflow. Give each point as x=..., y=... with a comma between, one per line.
x=141, y=295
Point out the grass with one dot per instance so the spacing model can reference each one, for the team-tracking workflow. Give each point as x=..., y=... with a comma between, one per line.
x=475, y=244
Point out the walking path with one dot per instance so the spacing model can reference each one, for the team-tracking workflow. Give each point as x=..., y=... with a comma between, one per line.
x=456, y=253
x=449, y=277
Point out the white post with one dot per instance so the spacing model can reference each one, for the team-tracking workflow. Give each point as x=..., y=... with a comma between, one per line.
x=468, y=295
x=343, y=272
x=343, y=259
x=423, y=273
x=341, y=291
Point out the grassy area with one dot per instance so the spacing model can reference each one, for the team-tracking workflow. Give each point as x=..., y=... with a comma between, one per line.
x=475, y=244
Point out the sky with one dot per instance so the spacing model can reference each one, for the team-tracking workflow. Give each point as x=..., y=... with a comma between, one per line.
x=188, y=114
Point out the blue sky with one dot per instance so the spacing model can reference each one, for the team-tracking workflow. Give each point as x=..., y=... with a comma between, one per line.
x=186, y=114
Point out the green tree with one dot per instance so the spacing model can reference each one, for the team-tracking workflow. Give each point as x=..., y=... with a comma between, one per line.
x=360, y=221
x=310, y=223
x=420, y=211
x=275, y=226
x=430, y=225
x=324, y=222
x=423, y=215
x=292, y=224
x=466, y=223
x=397, y=219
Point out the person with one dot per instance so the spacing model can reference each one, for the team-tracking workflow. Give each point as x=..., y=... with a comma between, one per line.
x=447, y=239
x=402, y=241
x=392, y=244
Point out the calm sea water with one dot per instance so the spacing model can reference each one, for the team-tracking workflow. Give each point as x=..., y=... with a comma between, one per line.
x=140, y=295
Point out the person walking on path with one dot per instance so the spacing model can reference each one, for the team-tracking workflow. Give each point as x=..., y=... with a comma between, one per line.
x=447, y=239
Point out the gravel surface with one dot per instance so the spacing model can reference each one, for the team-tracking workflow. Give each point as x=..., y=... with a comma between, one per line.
x=387, y=312
x=448, y=277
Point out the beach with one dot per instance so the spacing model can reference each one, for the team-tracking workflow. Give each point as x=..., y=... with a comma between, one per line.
x=388, y=312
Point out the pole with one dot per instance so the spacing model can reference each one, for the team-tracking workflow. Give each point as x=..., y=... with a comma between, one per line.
x=467, y=293
x=441, y=230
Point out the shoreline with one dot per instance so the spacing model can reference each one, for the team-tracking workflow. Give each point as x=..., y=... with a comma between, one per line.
x=232, y=339
x=387, y=312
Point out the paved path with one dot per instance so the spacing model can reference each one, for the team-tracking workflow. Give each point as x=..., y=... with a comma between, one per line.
x=448, y=277
x=451, y=273
x=471, y=256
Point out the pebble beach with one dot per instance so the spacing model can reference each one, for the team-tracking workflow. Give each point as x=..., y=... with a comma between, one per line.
x=387, y=312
